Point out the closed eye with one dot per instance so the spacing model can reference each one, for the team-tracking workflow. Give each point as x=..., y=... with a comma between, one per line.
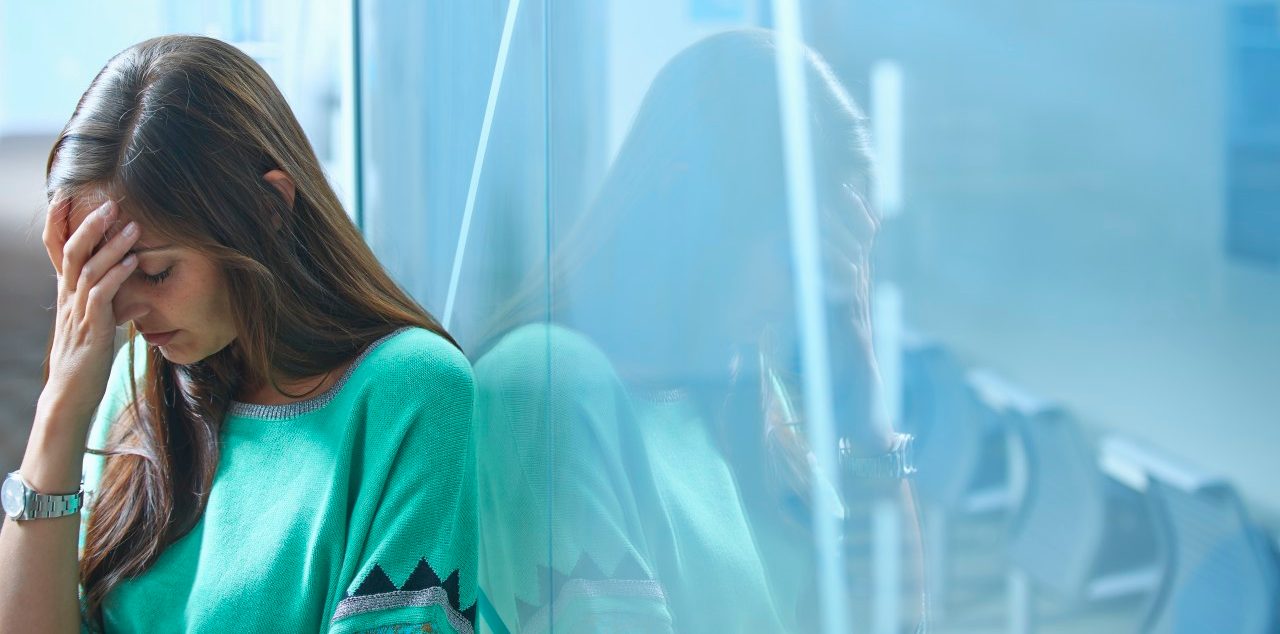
x=158, y=277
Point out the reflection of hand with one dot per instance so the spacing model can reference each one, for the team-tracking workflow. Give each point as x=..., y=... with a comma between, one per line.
x=84, y=327
x=856, y=389
x=859, y=425
x=776, y=478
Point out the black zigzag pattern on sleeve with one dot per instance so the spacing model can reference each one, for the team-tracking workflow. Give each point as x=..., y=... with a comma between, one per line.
x=422, y=578
x=376, y=582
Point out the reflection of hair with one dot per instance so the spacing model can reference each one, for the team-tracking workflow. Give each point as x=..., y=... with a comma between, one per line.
x=179, y=130
x=698, y=186
x=697, y=196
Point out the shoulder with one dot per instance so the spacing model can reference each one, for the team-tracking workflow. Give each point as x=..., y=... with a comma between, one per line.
x=531, y=350
x=415, y=366
x=416, y=352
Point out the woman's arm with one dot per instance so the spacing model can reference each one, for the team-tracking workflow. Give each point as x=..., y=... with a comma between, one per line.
x=39, y=571
x=412, y=554
x=39, y=567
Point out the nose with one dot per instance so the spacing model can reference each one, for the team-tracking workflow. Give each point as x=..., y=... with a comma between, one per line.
x=130, y=302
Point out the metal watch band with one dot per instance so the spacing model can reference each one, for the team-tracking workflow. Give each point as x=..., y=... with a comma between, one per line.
x=897, y=464
x=36, y=505
x=42, y=506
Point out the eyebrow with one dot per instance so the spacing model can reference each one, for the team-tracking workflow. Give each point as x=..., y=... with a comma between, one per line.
x=149, y=249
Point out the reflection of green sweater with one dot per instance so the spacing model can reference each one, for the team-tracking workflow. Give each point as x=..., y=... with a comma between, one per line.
x=604, y=512
x=348, y=511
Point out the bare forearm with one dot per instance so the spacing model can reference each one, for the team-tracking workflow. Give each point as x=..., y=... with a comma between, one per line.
x=39, y=568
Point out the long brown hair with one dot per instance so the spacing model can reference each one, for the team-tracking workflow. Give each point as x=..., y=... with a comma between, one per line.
x=179, y=130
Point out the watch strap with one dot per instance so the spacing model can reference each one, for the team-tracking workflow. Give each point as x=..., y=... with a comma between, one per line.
x=41, y=506
x=38, y=505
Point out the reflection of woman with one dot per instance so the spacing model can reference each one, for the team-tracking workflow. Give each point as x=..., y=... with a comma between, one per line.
x=293, y=450
x=646, y=464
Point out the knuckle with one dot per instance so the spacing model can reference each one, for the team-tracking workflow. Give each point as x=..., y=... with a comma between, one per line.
x=112, y=278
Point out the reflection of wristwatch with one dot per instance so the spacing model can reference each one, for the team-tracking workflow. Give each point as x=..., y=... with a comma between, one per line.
x=21, y=502
x=897, y=464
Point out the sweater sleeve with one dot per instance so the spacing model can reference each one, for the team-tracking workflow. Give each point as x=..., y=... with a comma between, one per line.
x=412, y=542
x=562, y=489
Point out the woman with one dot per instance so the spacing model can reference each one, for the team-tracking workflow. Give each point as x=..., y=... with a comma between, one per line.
x=287, y=446
x=646, y=466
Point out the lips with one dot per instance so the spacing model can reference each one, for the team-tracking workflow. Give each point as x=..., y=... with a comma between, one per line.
x=158, y=338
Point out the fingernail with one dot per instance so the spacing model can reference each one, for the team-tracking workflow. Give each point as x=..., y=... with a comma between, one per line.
x=131, y=229
x=106, y=209
x=130, y=259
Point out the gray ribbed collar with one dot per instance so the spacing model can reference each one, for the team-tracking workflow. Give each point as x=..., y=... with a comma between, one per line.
x=298, y=408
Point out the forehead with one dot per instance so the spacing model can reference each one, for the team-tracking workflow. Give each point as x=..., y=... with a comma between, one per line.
x=83, y=205
x=88, y=202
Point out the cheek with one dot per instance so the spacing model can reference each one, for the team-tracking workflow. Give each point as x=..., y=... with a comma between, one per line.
x=196, y=296
x=206, y=296
x=185, y=291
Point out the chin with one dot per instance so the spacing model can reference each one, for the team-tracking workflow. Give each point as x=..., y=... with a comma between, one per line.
x=175, y=357
x=178, y=353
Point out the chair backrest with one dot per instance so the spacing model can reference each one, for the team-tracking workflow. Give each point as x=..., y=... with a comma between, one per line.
x=940, y=408
x=1059, y=527
x=1224, y=576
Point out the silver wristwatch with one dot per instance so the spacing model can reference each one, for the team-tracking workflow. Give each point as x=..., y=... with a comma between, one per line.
x=897, y=464
x=21, y=502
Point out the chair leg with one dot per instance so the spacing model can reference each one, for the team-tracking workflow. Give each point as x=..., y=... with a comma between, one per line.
x=1021, y=605
x=935, y=557
x=886, y=540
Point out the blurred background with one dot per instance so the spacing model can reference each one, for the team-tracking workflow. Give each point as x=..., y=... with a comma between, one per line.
x=1074, y=290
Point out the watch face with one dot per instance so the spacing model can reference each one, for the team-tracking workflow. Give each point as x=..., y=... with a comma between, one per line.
x=13, y=494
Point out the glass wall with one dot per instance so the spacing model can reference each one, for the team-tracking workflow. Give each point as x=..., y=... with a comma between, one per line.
x=819, y=316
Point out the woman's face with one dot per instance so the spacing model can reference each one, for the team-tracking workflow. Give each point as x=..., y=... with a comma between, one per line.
x=173, y=289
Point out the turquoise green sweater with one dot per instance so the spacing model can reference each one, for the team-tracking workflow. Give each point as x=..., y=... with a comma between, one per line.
x=350, y=511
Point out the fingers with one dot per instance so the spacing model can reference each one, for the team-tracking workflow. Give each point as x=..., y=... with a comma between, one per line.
x=77, y=250
x=107, y=256
x=98, y=298
x=55, y=231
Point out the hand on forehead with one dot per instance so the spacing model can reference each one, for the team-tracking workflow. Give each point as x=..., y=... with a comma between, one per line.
x=82, y=206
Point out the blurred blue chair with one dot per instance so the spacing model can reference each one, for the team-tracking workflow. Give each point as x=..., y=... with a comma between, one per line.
x=960, y=451
x=1224, y=575
x=1078, y=535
